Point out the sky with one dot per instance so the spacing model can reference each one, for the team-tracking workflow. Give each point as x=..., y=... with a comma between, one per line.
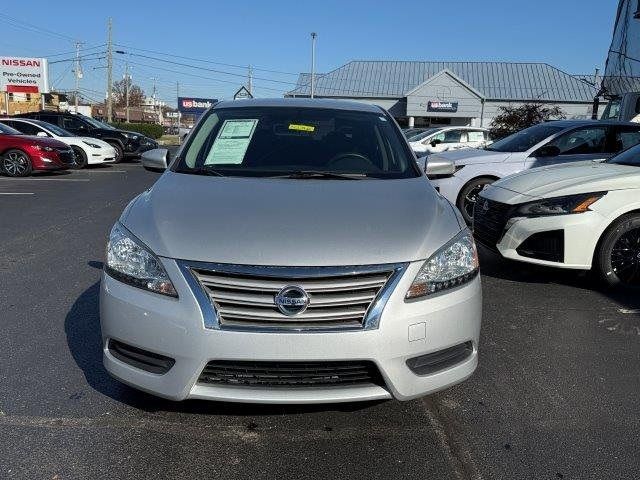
x=223, y=38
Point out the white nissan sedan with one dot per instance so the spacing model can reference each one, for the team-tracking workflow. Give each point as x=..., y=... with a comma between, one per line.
x=87, y=150
x=578, y=216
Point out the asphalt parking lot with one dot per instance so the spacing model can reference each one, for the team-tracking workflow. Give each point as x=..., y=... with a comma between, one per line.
x=555, y=395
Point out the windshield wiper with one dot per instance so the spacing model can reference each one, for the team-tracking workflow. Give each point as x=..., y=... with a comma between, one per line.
x=303, y=174
x=208, y=170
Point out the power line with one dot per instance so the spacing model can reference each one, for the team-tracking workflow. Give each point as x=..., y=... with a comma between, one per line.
x=17, y=23
x=213, y=70
x=206, y=61
x=197, y=76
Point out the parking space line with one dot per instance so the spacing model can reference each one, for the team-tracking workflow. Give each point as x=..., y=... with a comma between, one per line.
x=47, y=179
x=17, y=193
x=105, y=171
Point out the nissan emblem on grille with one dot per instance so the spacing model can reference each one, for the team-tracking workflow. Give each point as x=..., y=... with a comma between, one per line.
x=292, y=300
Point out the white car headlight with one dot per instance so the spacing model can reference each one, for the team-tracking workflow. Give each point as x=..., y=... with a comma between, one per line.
x=92, y=145
x=129, y=261
x=454, y=264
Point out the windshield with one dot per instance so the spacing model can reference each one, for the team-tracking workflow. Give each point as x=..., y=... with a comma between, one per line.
x=612, y=110
x=628, y=157
x=425, y=134
x=281, y=141
x=525, y=139
x=6, y=130
x=97, y=123
x=56, y=130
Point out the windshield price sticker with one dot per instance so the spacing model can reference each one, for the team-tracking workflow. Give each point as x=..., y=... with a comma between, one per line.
x=232, y=142
x=301, y=128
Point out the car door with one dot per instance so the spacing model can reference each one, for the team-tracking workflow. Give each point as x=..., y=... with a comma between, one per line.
x=475, y=138
x=625, y=136
x=447, y=140
x=591, y=142
x=75, y=125
x=23, y=127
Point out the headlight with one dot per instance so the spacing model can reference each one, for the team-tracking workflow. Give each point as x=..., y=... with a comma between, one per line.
x=43, y=148
x=559, y=205
x=92, y=145
x=129, y=261
x=454, y=264
x=130, y=136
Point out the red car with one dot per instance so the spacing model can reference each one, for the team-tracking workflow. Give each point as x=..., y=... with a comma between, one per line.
x=22, y=154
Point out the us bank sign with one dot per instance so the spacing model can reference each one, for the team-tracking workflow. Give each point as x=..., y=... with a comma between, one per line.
x=24, y=75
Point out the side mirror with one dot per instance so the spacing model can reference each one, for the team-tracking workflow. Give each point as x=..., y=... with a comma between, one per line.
x=155, y=160
x=547, y=151
x=435, y=142
x=41, y=134
x=439, y=167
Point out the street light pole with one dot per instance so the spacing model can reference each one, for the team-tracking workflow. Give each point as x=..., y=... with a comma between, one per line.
x=127, y=85
x=313, y=63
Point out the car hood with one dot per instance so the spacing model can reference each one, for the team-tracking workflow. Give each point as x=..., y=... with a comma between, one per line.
x=44, y=141
x=95, y=141
x=559, y=180
x=289, y=222
x=469, y=156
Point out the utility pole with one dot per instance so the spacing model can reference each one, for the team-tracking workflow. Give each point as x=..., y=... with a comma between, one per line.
x=250, y=80
x=153, y=95
x=313, y=63
x=78, y=74
x=178, y=105
x=127, y=87
x=109, y=73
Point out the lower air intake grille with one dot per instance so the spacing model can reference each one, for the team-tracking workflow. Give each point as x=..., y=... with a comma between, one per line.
x=139, y=358
x=290, y=374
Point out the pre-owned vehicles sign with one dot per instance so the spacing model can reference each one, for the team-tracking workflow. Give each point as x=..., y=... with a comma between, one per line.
x=24, y=75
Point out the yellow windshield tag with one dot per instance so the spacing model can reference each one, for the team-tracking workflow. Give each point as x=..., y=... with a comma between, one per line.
x=301, y=128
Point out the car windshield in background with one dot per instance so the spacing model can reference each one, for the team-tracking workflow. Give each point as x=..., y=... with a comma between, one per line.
x=525, y=139
x=628, y=157
x=297, y=142
x=5, y=130
x=60, y=132
x=425, y=134
x=97, y=123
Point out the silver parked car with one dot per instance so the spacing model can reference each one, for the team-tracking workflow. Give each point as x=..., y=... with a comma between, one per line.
x=292, y=253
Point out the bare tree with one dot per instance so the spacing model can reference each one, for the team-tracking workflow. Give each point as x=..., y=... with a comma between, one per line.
x=136, y=94
x=513, y=119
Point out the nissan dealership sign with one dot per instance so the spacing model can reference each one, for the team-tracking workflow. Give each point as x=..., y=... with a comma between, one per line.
x=24, y=75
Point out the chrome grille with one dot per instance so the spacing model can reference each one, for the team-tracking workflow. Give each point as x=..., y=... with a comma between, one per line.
x=341, y=297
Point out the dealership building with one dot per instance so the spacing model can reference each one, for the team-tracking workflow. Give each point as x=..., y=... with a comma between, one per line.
x=452, y=93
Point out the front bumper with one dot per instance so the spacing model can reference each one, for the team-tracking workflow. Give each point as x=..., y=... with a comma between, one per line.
x=104, y=155
x=175, y=328
x=135, y=149
x=579, y=232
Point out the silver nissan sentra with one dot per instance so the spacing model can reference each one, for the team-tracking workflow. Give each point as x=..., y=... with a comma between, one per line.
x=292, y=253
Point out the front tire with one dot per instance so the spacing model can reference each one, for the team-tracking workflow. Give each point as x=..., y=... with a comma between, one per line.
x=119, y=152
x=16, y=163
x=81, y=157
x=469, y=194
x=617, y=259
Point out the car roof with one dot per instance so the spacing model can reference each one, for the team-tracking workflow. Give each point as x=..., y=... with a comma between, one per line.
x=582, y=122
x=300, y=103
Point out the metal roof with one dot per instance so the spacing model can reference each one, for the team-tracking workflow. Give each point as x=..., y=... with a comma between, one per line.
x=494, y=80
x=304, y=78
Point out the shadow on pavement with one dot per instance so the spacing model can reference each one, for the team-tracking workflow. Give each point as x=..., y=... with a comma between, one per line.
x=82, y=328
x=493, y=265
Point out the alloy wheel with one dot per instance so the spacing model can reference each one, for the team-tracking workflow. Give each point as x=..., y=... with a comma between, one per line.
x=15, y=164
x=625, y=257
